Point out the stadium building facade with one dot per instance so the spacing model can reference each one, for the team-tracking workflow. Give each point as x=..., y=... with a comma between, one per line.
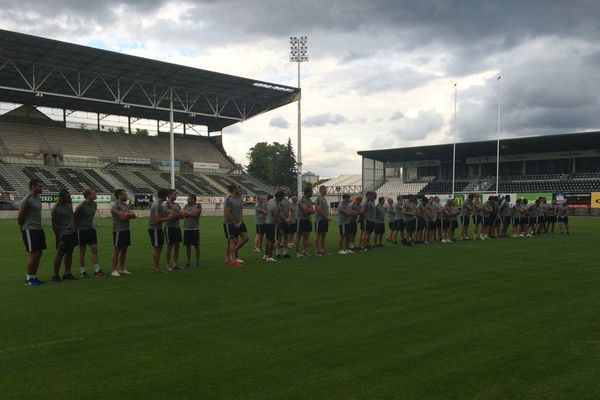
x=563, y=166
x=38, y=73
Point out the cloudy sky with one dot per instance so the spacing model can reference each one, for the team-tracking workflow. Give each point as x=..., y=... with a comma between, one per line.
x=381, y=73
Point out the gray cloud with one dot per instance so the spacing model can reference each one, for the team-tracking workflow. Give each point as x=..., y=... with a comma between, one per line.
x=426, y=122
x=396, y=116
x=279, y=122
x=392, y=80
x=324, y=119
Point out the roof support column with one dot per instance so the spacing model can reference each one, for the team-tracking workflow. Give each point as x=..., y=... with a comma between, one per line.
x=172, y=141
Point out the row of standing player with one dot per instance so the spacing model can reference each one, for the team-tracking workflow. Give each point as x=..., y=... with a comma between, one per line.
x=74, y=228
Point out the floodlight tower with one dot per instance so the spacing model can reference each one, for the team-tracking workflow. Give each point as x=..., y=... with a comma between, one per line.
x=299, y=54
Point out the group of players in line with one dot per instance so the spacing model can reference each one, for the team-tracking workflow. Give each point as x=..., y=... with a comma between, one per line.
x=74, y=228
x=415, y=219
x=284, y=221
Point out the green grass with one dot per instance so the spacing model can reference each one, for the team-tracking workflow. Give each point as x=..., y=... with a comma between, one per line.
x=502, y=319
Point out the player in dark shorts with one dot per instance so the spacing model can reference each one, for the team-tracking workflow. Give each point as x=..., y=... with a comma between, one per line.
x=398, y=220
x=271, y=225
x=477, y=213
x=355, y=207
x=409, y=215
x=284, y=224
x=121, y=215
x=236, y=234
x=505, y=215
x=524, y=211
x=292, y=224
x=63, y=225
x=322, y=219
x=552, y=211
x=158, y=215
x=30, y=222
x=430, y=220
x=390, y=210
x=465, y=216
x=172, y=231
x=368, y=220
x=303, y=224
x=563, y=217
x=420, y=224
x=534, y=213
x=191, y=230
x=515, y=214
x=260, y=213
x=488, y=218
x=344, y=218
x=379, y=222
x=86, y=233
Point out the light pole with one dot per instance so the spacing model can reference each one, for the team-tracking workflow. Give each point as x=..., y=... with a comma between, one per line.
x=498, y=138
x=454, y=143
x=299, y=54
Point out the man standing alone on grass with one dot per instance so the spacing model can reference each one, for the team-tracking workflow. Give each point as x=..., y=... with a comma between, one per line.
x=121, y=235
x=322, y=218
x=34, y=238
x=191, y=229
x=63, y=224
x=86, y=233
x=236, y=234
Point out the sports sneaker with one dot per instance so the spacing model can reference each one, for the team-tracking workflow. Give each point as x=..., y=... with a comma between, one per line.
x=177, y=268
x=186, y=266
x=298, y=255
x=99, y=274
x=84, y=275
x=124, y=272
x=286, y=255
x=270, y=259
x=349, y=251
x=342, y=252
x=305, y=253
x=257, y=250
x=115, y=274
x=318, y=254
x=69, y=277
x=56, y=278
x=239, y=261
x=235, y=264
x=169, y=269
x=32, y=282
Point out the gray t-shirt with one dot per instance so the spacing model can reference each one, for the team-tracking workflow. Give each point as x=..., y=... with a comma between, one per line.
x=33, y=205
x=431, y=212
x=84, y=214
x=505, y=208
x=272, y=212
x=157, y=209
x=379, y=214
x=235, y=206
x=562, y=210
x=354, y=207
x=390, y=210
x=284, y=209
x=467, y=208
x=409, y=207
x=118, y=224
x=343, y=218
x=294, y=208
x=321, y=201
x=306, y=202
x=260, y=216
x=168, y=206
x=398, y=211
x=192, y=223
x=534, y=210
x=476, y=208
x=62, y=214
x=369, y=206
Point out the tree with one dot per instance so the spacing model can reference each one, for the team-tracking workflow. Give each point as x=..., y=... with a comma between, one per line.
x=275, y=164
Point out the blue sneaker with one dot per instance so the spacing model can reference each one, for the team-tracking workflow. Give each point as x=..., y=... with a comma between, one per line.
x=32, y=282
x=38, y=281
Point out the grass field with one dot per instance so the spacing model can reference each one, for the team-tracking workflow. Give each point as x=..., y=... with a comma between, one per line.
x=500, y=319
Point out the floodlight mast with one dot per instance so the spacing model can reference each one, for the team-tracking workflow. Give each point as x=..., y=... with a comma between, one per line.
x=299, y=54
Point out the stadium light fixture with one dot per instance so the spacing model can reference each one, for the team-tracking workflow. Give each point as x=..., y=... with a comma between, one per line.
x=299, y=54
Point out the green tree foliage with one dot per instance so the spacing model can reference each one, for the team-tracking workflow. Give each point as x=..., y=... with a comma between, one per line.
x=275, y=164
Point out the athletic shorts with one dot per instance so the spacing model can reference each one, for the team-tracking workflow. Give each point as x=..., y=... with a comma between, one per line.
x=86, y=237
x=34, y=239
x=464, y=220
x=431, y=225
x=260, y=229
x=399, y=225
x=303, y=225
x=380, y=228
x=271, y=232
x=497, y=220
x=172, y=235
x=446, y=224
x=524, y=220
x=410, y=226
x=157, y=237
x=488, y=221
x=322, y=226
x=291, y=228
x=69, y=242
x=231, y=231
x=420, y=224
x=392, y=226
x=345, y=229
x=351, y=226
x=454, y=224
x=477, y=219
x=552, y=219
x=438, y=223
x=285, y=228
x=542, y=219
x=505, y=221
x=122, y=239
x=191, y=237
x=368, y=226
x=516, y=221
x=533, y=220
x=564, y=220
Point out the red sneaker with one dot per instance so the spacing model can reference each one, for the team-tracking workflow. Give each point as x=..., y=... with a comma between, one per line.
x=227, y=261
x=235, y=264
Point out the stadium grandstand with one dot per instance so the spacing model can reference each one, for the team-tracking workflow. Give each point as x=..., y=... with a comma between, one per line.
x=564, y=164
x=40, y=76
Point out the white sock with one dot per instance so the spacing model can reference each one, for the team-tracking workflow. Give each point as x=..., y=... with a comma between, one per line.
x=30, y=276
x=97, y=267
x=82, y=269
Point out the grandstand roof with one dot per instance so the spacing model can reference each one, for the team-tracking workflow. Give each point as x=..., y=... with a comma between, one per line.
x=344, y=180
x=51, y=73
x=528, y=145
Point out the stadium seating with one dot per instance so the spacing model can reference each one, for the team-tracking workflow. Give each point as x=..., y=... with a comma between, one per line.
x=395, y=186
x=440, y=187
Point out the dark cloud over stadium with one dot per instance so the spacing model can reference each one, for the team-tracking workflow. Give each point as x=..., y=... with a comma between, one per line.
x=369, y=61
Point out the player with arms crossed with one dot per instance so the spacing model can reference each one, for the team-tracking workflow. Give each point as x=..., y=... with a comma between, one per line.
x=63, y=224
x=236, y=234
x=172, y=230
x=86, y=233
x=34, y=238
x=191, y=230
x=322, y=218
x=121, y=215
